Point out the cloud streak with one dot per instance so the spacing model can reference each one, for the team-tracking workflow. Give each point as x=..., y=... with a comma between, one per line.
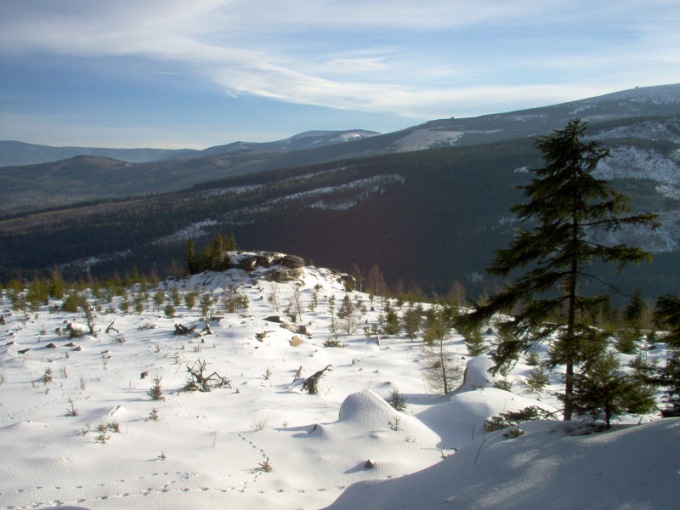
x=418, y=60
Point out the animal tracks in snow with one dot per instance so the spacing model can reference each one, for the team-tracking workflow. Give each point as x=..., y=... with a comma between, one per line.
x=107, y=492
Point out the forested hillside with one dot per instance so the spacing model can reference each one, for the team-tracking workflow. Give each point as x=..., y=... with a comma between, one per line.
x=426, y=218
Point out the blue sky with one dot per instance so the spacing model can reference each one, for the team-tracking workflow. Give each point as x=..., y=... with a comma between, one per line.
x=196, y=73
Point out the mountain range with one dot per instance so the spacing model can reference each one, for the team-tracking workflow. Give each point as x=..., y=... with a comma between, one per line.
x=428, y=204
x=13, y=153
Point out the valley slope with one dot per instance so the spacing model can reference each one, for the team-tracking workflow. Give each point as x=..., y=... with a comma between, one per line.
x=425, y=217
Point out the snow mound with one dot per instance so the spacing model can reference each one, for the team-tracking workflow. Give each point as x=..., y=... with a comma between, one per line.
x=367, y=411
x=477, y=373
x=462, y=418
x=368, y=428
x=631, y=467
x=365, y=408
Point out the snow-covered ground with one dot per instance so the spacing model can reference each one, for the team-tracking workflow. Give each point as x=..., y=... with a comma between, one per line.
x=78, y=427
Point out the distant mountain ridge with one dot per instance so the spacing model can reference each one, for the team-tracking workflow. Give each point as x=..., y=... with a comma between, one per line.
x=301, y=141
x=662, y=100
x=659, y=101
x=38, y=186
x=428, y=204
x=13, y=153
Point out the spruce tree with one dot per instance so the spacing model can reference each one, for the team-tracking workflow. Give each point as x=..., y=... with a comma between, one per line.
x=567, y=206
x=634, y=310
x=348, y=315
x=603, y=389
x=411, y=320
x=441, y=370
x=668, y=315
x=191, y=259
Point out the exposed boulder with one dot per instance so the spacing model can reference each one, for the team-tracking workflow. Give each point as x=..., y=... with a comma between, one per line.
x=282, y=274
x=267, y=259
x=293, y=262
x=290, y=327
x=247, y=262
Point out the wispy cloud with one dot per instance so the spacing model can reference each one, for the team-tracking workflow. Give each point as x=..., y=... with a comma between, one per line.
x=421, y=60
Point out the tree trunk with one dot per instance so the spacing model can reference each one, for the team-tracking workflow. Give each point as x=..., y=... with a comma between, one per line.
x=571, y=314
x=442, y=360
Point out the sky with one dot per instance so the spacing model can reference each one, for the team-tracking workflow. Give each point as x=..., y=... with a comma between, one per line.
x=198, y=73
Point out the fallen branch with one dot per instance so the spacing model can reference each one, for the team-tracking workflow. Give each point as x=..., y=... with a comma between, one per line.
x=198, y=381
x=111, y=328
x=181, y=329
x=312, y=382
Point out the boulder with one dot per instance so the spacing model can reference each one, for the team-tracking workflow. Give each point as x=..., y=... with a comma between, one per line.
x=267, y=259
x=247, y=262
x=282, y=274
x=293, y=262
x=289, y=327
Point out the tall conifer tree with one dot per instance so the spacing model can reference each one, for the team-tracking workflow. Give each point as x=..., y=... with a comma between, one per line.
x=668, y=316
x=567, y=207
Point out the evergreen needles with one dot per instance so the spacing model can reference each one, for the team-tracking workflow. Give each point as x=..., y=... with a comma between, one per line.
x=567, y=208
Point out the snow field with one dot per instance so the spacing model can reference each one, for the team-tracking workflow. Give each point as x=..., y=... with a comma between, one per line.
x=88, y=438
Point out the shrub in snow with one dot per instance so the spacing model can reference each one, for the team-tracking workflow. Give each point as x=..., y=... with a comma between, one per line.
x=348, y=316
x=156, y=393
x=72, y=411
x=473, y=337
x=514, y=432
x=311, y=384
x=625, y=340
x=538, y=379
x=394, y=423
x=169, y=310
x=411, y=320
x=47, y=376
x=441, y=370
x=266, y=466
x=199, y=381
x=72, y=302
x=206, y=303
x=396, y=400
x=503, y=384
x=332, y=342
x=532, y=359
x=389, y=320
x=233, y=301
x=603, y=390
x=509, y=418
